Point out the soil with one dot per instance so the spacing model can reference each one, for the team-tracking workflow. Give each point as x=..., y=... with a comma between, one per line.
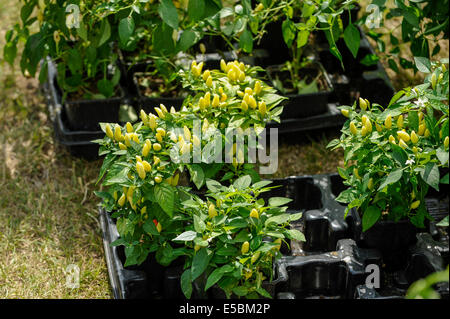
x=307, y=74
x=150, y=85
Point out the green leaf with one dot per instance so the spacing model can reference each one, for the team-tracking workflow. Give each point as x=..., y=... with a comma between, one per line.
x=370, y=217
x=423, y=64
x=187, y=39
x=295, y=234
x=105, y=87
x=302, y=38
x=199, y=225
x=10, y=52
x=392, y=178
x=279, y=201
x=243, y=182
x=442, y=155
x=126, y=29
x=186, y=283
x=121, y=177
x=444, y=180
x=430, y=174
x=240, y=291
x=370, y=59
x=165, y=196
x=263, y=292
x=352, y=39
x=105, y=32
x=196, y=9
x=150, y=228
x=216, y=275
x=197, y=175
x=288, y=30
x=199, y=263
x=109, y=159
x=443, y=222
x=168, y=13
x=278, y=219
x=186, y=236
x=246, y=41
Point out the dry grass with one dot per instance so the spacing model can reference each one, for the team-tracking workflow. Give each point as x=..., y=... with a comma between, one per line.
x=48, y=216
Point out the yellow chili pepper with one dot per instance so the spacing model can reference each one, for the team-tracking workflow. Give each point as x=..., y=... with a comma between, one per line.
x=414, y=137
x=122, y=146
x=121, y=201
x=209, y=82
x=421, y=130
x=147, y=166
x=158, y=179
x=262, y=108
x=129, y=127
x=255, y=257
x=254, y=213
x=257, y=88
x=206, y=75
x=402, y=144
x=141, y=170
x=109, y=131
x=353, y=128
x=215, y=101
x=345, y=112
x=403, y=135
x=212, y=211
x=415, y=204
x=400, y=121
x=388, y=122
x=245, y=247
x=157, y=147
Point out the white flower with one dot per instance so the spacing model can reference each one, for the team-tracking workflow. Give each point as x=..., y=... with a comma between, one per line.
x=421, y=101
x=409, y=162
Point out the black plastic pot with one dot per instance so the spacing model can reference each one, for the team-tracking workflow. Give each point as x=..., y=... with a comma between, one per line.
x=85, y=115
x=78, y=142
x=309, y=104
x=148, y=104
x=391, y=238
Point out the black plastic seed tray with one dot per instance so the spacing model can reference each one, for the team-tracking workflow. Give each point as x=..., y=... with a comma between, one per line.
x=77, y=142
x=331, y=264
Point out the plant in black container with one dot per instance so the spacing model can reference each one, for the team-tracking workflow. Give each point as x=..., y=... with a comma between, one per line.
x=79, y=43
x=286, y=30
x=392, y=158
x=229, y=239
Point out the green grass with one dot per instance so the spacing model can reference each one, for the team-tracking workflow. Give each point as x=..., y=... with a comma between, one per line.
x=48, y=214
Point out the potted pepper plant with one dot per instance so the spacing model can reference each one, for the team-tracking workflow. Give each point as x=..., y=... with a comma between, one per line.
x=226, y=240
x=87, y=78
x=299, y=75
x=393, y=156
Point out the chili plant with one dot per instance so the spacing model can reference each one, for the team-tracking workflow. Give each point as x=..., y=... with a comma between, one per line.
x=394, y=154
x=78, y=42
x=300, y=19
x=233, y=238
x=422, y=25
